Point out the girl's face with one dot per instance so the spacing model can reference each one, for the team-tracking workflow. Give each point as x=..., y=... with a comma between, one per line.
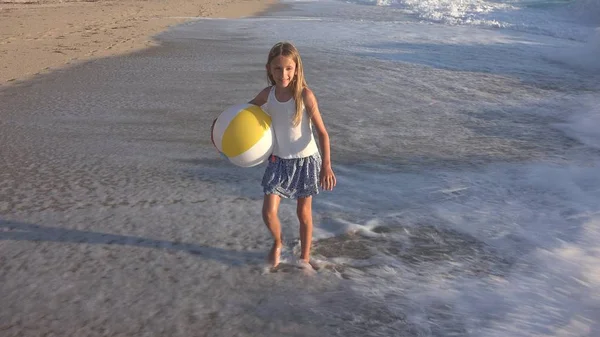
x=283, y=70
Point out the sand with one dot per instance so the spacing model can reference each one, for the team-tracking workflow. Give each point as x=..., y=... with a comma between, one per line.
x=39, y=36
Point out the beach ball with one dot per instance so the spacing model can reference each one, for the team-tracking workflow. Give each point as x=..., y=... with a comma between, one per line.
x=243, y=134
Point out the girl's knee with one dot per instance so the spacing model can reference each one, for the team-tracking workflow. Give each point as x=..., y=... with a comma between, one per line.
x=269, y=214
x=270, y=208
x=304, y=212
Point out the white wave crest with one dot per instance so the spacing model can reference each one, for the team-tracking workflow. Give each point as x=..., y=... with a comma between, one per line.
x=557, y=18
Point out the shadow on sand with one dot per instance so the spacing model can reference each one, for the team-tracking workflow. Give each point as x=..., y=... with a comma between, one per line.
x=15, y=231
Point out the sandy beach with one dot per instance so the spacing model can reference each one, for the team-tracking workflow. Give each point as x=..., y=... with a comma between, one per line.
x=39, y=36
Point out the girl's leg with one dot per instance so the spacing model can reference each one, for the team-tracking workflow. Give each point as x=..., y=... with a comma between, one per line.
x=269, y=213
x=304, y=211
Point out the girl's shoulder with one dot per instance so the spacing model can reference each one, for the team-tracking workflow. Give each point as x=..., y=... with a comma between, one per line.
x=308, y=96
x=262, y=97
x=267, y=90
x=308, y=93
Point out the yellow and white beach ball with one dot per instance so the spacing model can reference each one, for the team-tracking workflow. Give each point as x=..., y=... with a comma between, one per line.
x=243, y=134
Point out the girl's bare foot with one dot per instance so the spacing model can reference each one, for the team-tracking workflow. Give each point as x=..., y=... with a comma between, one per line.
x=302, y=263
x=275, y=254
x=306, y=266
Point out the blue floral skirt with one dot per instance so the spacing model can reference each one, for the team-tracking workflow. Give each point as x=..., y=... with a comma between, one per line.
x=292, y=178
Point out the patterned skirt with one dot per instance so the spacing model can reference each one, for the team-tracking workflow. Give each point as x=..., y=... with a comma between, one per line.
x=292, y=178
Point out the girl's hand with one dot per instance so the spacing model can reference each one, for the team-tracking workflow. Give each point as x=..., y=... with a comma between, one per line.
x=327, y=179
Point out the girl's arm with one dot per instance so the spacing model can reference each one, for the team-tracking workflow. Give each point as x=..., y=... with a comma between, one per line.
x=262, y=97
x=328, y=180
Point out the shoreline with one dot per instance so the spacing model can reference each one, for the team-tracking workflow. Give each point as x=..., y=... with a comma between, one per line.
x=39, y=37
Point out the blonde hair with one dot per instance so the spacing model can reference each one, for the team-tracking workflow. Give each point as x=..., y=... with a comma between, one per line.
x=298, y=83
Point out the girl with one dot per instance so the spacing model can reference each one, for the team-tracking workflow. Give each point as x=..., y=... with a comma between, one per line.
x=295, y=169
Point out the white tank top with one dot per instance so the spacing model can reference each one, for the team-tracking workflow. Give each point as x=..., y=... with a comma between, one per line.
x=290, y=141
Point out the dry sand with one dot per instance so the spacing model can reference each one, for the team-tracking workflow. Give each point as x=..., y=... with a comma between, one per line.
x=38, y=36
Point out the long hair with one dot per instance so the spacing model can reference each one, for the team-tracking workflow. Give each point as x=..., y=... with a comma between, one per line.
x=298, y=83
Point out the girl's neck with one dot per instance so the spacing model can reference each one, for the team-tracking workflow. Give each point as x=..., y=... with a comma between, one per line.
x=283, y=94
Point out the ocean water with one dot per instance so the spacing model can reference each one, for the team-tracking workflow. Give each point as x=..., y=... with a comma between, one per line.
x=464, y=138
